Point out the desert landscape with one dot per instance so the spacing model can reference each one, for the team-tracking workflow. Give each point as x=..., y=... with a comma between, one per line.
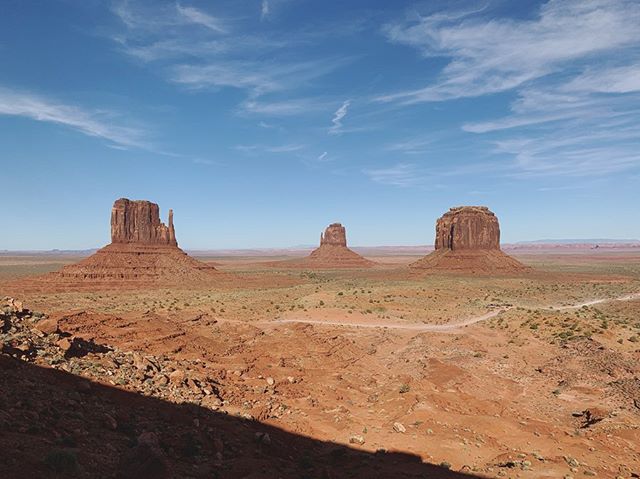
x=141, y=361
x=278, y=239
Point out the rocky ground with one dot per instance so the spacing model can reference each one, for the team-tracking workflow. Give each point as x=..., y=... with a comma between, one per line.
x=73, y=408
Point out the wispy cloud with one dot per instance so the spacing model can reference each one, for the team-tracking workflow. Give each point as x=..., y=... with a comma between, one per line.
x=219, y=55
x=411, y=146
x=624, y=79
x=99, y=124
x=338, y=116
x=204, y=161
x=490, y=55
x=555, y=132
x=573, y=66
x=401, y=174
x=289, y=148
x=198, y=17
x=323, y=156
x=152, y=17
x=258, y=78
x=264, y=9
x=281, y=108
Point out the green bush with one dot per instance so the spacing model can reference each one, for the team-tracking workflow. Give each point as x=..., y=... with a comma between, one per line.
x=62, y=461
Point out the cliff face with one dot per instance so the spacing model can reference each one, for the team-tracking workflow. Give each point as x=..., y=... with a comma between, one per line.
x=139, y=222
x=335, y=234
x=468, y=228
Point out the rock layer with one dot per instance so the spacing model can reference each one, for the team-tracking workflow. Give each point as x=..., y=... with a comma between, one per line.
x=468, y=240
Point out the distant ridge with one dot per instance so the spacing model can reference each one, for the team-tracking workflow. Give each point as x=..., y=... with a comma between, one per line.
x=302, y=250
x=580, y=241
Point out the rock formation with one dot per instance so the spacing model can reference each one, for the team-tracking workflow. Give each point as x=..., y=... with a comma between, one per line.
x=142, y=250
x=335, y=235
x=332, y=253
x=139, y=222
x=468, y=239
x=468, y=227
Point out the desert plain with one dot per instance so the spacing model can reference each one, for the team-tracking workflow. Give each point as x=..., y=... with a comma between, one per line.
x=384, y=371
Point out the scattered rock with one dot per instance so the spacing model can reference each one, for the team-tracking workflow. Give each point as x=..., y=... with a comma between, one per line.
x=177, y=377
x=48, y=326
x=399, y=427
x=64, y=344
x=356, y=439
x=593, y=416
x=262, y=438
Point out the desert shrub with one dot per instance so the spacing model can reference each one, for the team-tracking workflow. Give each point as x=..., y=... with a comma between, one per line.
x=62, y=461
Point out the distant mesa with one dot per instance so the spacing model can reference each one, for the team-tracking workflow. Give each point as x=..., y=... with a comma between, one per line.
x=468, y=240
x=142, y=250
x=332, y=253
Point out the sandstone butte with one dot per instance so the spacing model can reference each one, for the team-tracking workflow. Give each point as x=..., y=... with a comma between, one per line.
x=332, y=253
x=142, y=250
x=468, y=240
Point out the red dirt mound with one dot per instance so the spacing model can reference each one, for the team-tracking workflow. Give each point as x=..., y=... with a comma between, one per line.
x=468, y=240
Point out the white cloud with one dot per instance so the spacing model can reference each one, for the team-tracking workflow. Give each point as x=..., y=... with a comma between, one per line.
x=402, y=174
x=412, y=146
x=199, y=17
x=217, y=57
x=289, y=148
x=494, y=55
x=90, y=123
x=323, y=156
x=574, y=67
x=257, y=77
x=338, y=116
x=264, y=9
x=204, y=161
x=149, y=17
x=624, y=79
x=554, y=132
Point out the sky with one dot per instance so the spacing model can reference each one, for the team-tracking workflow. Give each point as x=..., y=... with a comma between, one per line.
x=262, y=121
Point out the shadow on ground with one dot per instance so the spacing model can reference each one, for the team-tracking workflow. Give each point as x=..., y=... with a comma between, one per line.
x=56, y=424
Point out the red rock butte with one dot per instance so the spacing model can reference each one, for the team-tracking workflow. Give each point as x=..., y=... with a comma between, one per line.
x=331, y=254
x=143, y=250
x=468, y=240
x=333, y=251
x=139, y=222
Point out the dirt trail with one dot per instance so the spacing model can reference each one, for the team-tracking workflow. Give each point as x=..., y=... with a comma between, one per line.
x=441, y=328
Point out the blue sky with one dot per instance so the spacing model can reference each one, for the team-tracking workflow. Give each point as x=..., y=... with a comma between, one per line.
x=261, y=121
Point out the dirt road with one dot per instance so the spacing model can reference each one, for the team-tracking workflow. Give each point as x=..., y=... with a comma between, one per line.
x=442, y=328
